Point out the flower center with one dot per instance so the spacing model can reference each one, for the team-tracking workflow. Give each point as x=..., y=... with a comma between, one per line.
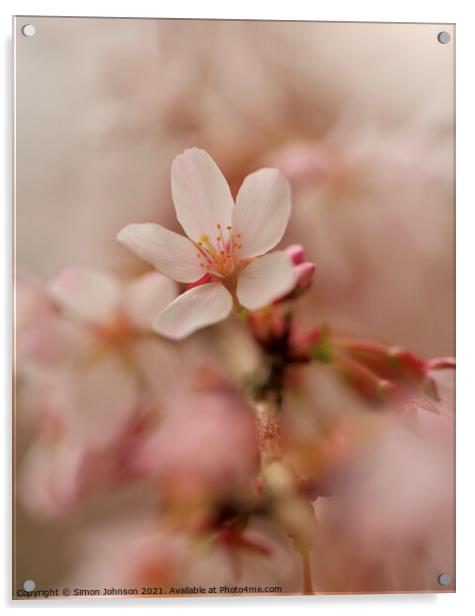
x=220, y=257
x=116, y=333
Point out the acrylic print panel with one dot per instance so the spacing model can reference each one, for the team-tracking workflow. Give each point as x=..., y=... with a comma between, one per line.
x=234, y=320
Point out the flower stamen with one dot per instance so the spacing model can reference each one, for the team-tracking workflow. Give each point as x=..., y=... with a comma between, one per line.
x=221, y=257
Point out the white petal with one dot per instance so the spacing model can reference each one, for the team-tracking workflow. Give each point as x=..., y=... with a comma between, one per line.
x=88, y=294
x=146, y=297
x=262, y=211
x=194, y=309
x=265, y=280
x=172, y=254
x=201, y=194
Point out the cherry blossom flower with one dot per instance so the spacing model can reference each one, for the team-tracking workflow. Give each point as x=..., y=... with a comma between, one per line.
x=105, y=390
x=226, y=245
x=84, y=385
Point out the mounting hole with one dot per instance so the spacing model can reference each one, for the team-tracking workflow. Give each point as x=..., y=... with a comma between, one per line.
x=444, y=579
x=29, y=585
x=443, y=37
x=28, y=30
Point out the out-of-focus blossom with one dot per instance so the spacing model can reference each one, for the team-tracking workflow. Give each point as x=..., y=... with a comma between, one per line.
x=83, y=385
x=395, y=502
x=303, y=162
x=351, y=160
x=203, y=456
x=226, y=242
x=54, y=474
x=130, y=552
x=111, y=308
x=44, y=338
x=143, y=553
x=103, y=392
x=377, y=222
x=59, y=471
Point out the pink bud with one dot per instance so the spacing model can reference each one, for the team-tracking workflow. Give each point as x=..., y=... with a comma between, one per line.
x=441, y=363
x=303, y=269
x=296, y=253
x=304, y=273
x=302, y=344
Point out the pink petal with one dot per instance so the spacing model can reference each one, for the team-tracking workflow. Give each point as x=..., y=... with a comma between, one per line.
x=31, y=304
x=52, y=341
x=90, y=295
x=146, y=297
x=265, y=280
x=194, y=309
x=201, y=194
x=262, y=211
x=172, y=254
x=52, y=477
